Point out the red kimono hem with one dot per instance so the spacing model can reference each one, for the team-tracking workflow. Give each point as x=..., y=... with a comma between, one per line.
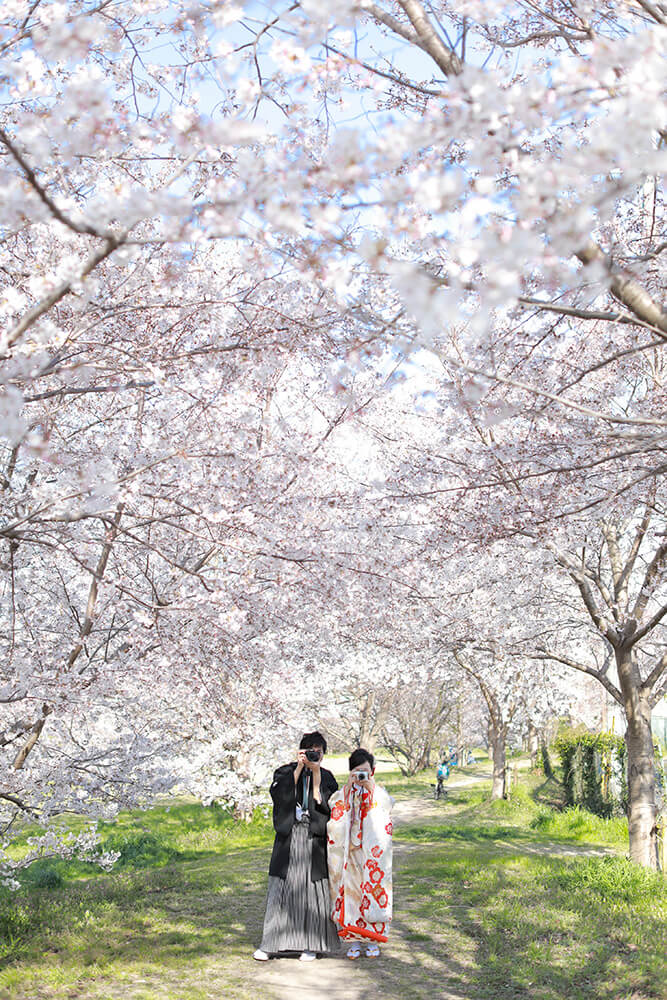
x=361, y=932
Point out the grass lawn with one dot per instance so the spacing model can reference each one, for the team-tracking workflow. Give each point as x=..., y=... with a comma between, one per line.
x=485, y=907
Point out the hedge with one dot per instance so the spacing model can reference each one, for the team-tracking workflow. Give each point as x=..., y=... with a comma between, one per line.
x=594, y=771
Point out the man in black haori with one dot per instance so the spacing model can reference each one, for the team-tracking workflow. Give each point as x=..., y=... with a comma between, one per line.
x=298, y=908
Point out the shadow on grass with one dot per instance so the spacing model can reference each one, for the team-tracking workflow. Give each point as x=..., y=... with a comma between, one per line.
x=206, y=908
x=549, y=793
x=477, y=925
x=472, y=922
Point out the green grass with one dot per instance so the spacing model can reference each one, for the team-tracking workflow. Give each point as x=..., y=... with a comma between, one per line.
x=579, y=824
x=507, y=925
x=486, y=907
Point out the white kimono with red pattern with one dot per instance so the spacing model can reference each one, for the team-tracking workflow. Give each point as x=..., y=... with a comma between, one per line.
x=359, y=858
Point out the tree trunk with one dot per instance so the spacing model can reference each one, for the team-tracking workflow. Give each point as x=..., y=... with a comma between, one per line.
x=368, y=739
x=498, y=751
x=533, y=745
x=459, y=723
x=641, y=790
x=641, y=773
x=367, y=733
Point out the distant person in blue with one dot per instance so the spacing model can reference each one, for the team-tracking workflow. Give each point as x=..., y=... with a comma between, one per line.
x=442, y=774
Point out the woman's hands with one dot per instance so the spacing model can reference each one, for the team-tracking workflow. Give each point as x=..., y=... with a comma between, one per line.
x=367, y=783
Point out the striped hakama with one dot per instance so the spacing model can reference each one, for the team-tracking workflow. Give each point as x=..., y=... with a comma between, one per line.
x=298, y=914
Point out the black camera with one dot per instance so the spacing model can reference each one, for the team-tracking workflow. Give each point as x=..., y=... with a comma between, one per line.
x=313, y=755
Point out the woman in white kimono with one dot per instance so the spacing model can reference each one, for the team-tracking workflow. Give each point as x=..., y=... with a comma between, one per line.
x=359, y=857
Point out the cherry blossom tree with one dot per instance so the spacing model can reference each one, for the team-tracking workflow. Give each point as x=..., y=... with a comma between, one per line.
x=227, y=230
x=618, y=573
x=421, y=717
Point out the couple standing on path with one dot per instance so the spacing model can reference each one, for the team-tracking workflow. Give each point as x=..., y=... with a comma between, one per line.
x=330, y=870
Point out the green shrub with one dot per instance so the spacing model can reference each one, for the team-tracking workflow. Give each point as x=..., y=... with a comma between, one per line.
x=42, y=875
x=139, y=850
x=589, y=762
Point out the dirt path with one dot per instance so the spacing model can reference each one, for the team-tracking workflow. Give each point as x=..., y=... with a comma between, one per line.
x=338, y=978
x=429, y=810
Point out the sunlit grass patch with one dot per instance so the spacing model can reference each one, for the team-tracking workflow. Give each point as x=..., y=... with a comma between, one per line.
x=536, y=927
x=580, y=824
x=611, y=879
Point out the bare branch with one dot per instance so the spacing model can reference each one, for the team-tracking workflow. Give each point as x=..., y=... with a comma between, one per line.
x=656, y=673
x=650, y=625
x=84, y=391
x=368, y=7
x=430, y=41
x=651, y=9
x=627, y=289
x=652, y=571
x=87, y=624
x=609, y=317
x=599, y=675
x=35, y=733
x=637, y=541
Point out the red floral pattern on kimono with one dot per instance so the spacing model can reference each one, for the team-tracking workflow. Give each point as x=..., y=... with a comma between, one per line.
x=359, y=854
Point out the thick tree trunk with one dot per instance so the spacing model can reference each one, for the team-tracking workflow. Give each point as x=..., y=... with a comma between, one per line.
x=641, y=773
x=368, y=739
x=641, y=791
x=498, y=752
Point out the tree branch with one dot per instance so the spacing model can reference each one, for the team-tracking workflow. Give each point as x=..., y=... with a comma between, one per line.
x=17, y=802
x=43, y=194
x=35, y=733
x=430, y=41
x=651, y=9
x=94, y=586
x=544, y=654
x=111, y=244
x=368, y=7
x=626, y=289
x=656, y=673
x=650, y=625
x=609, y=317
x=637, y=541
x=644, y=595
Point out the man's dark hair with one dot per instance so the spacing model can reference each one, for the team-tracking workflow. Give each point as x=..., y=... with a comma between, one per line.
x=309, y=740
x=361, y=756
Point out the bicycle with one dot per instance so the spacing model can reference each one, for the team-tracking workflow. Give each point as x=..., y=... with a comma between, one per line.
x=439, y=790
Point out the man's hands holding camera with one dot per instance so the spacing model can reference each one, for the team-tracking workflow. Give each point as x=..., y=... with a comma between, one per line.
x=310, y=759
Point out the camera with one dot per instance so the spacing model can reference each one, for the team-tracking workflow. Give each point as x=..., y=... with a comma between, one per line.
x=313, y=755
x=362, y=775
